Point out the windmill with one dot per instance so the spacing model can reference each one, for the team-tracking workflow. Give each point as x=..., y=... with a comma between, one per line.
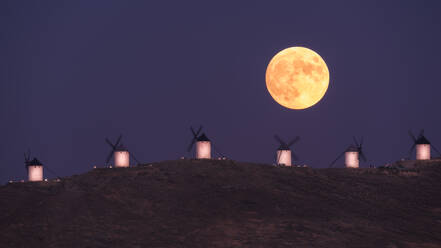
x=121, y=155
x=422, y=146
x=34, y=168
x=352, y=154
x=284, y=153
x=203, y=144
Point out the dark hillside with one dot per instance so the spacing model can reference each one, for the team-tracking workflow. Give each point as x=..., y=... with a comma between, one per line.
x=189, y=203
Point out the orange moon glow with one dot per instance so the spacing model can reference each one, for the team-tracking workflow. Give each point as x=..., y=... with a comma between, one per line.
x=297, y=77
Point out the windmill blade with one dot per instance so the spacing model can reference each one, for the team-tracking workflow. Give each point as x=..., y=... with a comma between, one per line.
x=110, y=143
x=134, y=158
x=422, y=135
x=355, y=140
x=294, y=156
x=196, y=134
x=191, y=144
x=26, y=159
x=339, y=156
x=411, y=150
x=279, y=140
x=361, y=154
x=51, y=171
x=412, y=136
x=109, y=156
x=295, y=140
x=118, y=140
x=434, y=148
x=199, y=130
x=193, y=132
x=28, y=155
x=361, y=141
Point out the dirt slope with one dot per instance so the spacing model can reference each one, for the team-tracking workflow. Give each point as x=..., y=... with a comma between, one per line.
x=188, y=203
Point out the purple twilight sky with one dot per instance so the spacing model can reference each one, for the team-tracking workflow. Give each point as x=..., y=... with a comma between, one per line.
x=75, y=72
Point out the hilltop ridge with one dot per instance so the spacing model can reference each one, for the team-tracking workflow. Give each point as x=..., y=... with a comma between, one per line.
x=212, y=203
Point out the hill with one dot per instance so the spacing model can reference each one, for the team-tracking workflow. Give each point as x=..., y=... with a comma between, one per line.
x=210, y=203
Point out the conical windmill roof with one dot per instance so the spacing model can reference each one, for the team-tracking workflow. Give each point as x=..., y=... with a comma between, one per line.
x=352, y=148
x=283, y=147
x=34, y=162
x=203, y=137
x=121, y=148
x=422, y=141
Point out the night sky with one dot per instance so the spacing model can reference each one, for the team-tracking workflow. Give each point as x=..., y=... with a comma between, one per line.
x=75, y=72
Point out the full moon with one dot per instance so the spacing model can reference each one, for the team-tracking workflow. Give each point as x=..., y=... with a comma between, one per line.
x=297, y=77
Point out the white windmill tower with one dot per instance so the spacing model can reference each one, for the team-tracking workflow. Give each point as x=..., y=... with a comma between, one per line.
x=352, y=155
x=284, y=154
x=34, y=168
x=422, y=146
x=203, y=144
x=121, y=155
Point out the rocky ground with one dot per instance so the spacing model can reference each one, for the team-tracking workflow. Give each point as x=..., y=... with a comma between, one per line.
x=210, y=203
